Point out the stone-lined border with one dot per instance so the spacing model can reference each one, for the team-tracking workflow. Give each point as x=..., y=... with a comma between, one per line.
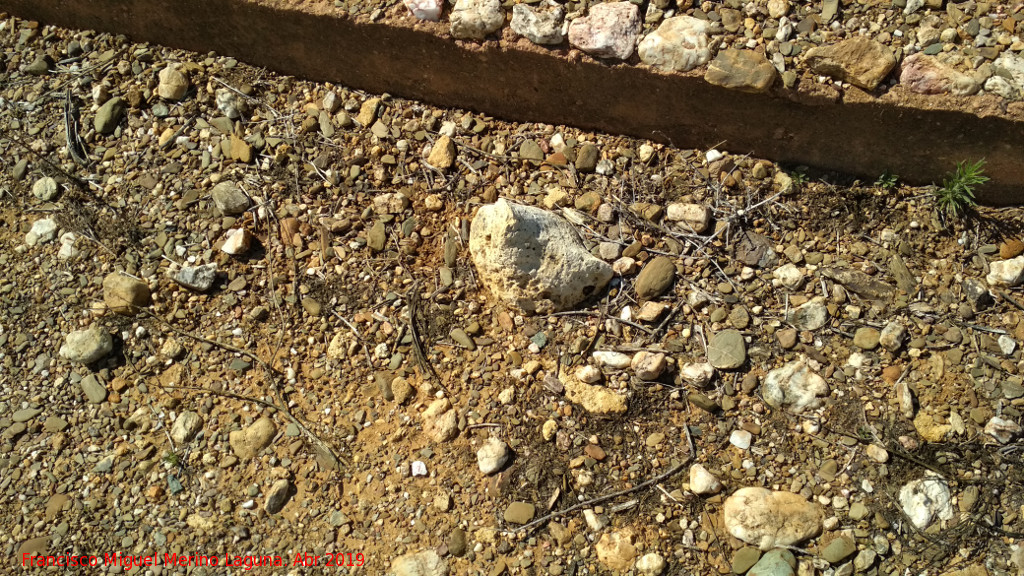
x=920, y=138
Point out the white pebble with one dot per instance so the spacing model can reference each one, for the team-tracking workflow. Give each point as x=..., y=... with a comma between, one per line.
x=612, y=359
x=741, y=439
x=588, y=374
x=1007, y=344
x=702, y=481
x=492, y=456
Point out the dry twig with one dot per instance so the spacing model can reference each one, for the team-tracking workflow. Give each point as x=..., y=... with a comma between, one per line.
x=594, y=501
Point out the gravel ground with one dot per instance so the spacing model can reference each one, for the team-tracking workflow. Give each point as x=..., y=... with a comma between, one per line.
x=345, y=381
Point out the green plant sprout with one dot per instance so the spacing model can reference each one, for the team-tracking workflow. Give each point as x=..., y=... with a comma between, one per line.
x=956, y=195
x=887, y=180
x=172, y=459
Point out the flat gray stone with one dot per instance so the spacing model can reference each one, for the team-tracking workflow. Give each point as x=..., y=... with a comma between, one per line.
x=376, y=237
x=904, y=278
x=776, y=562
x=839, y=549
x=26, y=414
x=462, y=339
x=230, y=199
x=197, y=278
x=727, y=350
x=40, y=66
x=109, y=115
x=55, y=424
x=94, y=389
x=520, y=512
x=810, y=316
x=866, y=338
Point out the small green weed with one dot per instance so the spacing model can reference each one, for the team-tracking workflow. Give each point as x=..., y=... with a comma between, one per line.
x=956, y=195
x=799, y=178
x=172, y=459
x=887, y=180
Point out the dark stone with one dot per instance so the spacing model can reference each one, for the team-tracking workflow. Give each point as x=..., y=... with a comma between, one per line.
x=976, y=293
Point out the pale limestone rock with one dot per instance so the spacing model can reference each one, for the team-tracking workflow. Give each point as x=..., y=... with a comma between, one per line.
x=533, y=259
x=767, y=519
x=680, y=44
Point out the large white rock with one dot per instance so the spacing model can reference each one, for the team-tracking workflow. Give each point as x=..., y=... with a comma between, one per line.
x=1006, y=272
x=87, y=346
x=68, y=251
x=926, y=74
x=609, y=30
x=425, y=9
x=1002, y=429
x=926, y=499
x=680, y=43
x=426, y=563
x=1013, y=65
x=616, y=551
x=43, y=230
x=236, y=241
x=892, y=336
x=475, y=19
x=533, y=259
x=541, y=25
x=794, y=385
x=788, y=276
x=651, y=564
x=769, y=519
x=698, y=374
x=648, y=366
x=612, y=359
x=695, y=216
x=1001, y=87
x=185, y=427
x=492, y=456
x=173, y=83
x=440, y=423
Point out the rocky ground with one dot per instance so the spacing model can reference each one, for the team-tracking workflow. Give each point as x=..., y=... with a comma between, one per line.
x=921, y=46
x=245, y=314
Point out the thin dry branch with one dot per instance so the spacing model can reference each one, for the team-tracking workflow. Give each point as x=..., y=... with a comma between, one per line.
x=594, y=501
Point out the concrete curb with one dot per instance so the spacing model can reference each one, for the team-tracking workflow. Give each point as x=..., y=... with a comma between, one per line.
x=919, y=138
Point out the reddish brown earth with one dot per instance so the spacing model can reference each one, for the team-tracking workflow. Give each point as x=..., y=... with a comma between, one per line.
x=918, y=137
